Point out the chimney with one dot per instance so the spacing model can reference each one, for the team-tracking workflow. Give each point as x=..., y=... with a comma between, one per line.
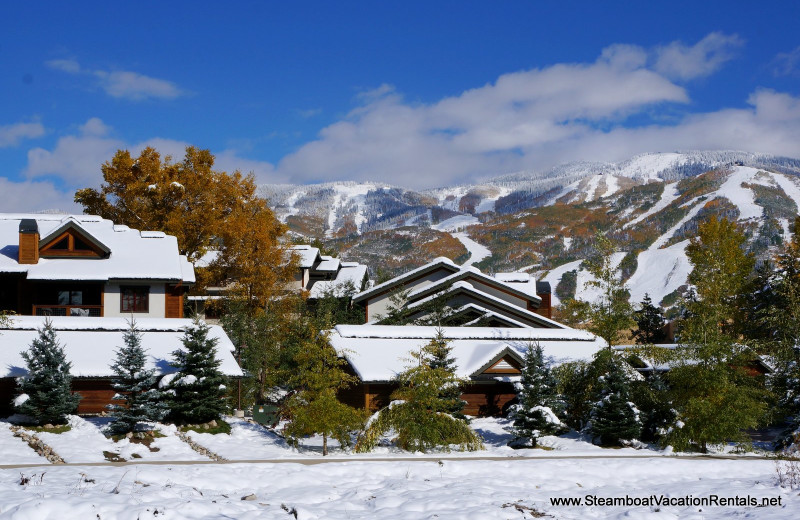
x=543, y=291
x=28, y=241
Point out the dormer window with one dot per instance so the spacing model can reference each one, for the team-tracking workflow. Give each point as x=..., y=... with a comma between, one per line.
x=70, y=240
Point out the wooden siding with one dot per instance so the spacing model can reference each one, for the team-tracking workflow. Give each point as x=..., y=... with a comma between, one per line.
x=483, y=399
x=174, y=301
x=29, y=248
x=489, y=399
x=96, y=393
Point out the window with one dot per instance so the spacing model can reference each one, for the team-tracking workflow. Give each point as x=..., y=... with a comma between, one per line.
x=134, y=298
x=70, y=297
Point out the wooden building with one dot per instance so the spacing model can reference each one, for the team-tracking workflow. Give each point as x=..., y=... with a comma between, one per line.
x=520, y=302
x=86, y=266
x=488, y=358
x=90, y=345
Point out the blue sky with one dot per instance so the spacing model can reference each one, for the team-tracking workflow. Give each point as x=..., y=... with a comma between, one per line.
x=419, y=94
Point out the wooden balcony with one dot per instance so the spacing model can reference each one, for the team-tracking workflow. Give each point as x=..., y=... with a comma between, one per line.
x=68, y=310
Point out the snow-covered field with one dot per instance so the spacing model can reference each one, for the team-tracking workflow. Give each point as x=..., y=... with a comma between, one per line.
x=514, y=484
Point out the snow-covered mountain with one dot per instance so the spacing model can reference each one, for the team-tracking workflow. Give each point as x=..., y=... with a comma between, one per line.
x=544, y=222
x=371, y=206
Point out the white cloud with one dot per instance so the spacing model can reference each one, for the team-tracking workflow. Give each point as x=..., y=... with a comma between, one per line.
x=495, y=128
x=33, y=196
x=76, y=159
x=70, y=66
x=131, y=85
x=122, y=84
x=539, y=118
x=787, y=63
x=11, y=135
x=684, y=62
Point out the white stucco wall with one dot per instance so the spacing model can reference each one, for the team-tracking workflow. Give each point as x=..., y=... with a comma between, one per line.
x=157, y=301
x=379, y=305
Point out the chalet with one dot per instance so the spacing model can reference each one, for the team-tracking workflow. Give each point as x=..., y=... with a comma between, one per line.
x=490, y=359
x=467, y=292
x=90, y=345
x=321, y=274
x=87, y=266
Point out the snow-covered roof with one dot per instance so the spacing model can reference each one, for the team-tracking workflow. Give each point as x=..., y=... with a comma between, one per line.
x=328, y=264
x=90, y=343
x=486, y=314
x=462, y=287
x=651, y=365
x=380, y=352
x=307, y=256
x=350, y=272
x=522, y=282
x=134, y=254
x=436, y=263
x=470, y=272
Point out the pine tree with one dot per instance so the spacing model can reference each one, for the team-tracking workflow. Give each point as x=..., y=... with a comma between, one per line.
x=197, y=391
x=418, y=414
x=649, y=323
x=314, y=408
x=780, y=318
x=614, y=417
x=137, y=399
x=710, y=387
x=437, y=353
x=535, y=414
x=48, y=381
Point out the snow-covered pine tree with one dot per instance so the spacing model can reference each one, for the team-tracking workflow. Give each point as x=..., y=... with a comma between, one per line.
x=418, y=415
x=437, y=353
x=47, y=384
x=614, y=417
x=535, y=413
x=137, y=400
x=197, y=391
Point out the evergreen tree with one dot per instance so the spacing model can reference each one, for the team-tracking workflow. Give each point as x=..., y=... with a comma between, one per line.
x=649, y=323
x=418, y=414
x=535, y=414
x=614, y=417
x=437, y=353
x=198, y=388
x=710, y=387
x=611, y=315
x=314, y=408
x=137, y=399
x=48, y=381
x=651, y=397
x=780, y=318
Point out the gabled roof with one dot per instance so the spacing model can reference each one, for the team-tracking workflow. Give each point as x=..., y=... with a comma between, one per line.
x=491, y=301
x=379, y=352
x=70, y=223
x=328, y=264
x=438, y=263
x=133, y=254
x=307, y=255
x=90, y=343
x=474, y=273
x=487, y=314
x=349, y=273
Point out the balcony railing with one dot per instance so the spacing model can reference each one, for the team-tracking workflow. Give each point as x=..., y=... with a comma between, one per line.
x=68, y=310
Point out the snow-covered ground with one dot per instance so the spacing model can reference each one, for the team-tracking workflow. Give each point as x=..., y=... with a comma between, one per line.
x=477, y=251
x=515, y=484
x=447, y=489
